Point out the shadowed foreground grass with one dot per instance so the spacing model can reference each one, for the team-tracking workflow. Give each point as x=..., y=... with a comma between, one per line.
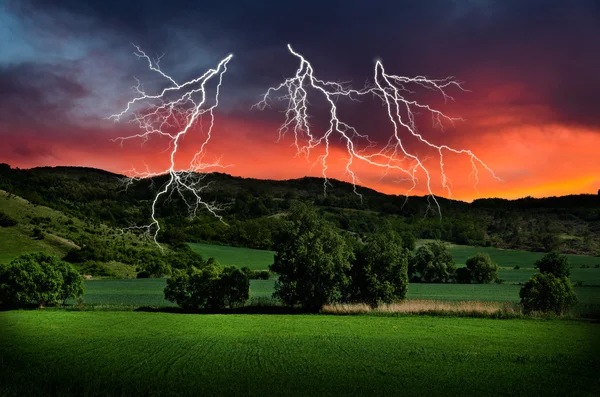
x=135, y=353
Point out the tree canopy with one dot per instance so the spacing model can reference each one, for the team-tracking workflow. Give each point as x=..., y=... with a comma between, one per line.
x=312, y=261
x=39, y=279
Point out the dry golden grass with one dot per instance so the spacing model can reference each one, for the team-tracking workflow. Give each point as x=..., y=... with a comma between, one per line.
x=421, y=306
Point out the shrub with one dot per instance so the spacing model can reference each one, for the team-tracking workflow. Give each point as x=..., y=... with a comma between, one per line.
x=256, y=274
x=37, y=234
x=517, y=267
x=157, y=268
x=379, y=274
x=554, y=263
x=547, y=293
x=463, y=276
x=6, y=221
x=39, y=279
x=96, y=269
x=312, y=261
x=432, y=263
x=482, y=269
x=143, y=274
x=212, y=287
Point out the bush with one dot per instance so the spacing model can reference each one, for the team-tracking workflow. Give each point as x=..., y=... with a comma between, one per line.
x=256, y=274
x=37, y=234
x=547, y=293
x=379, y=274
x=6, y=221
x=517, y=267
x=157, y=268
x=96, y=269
x=143, y=274
x=432, y=263
x=554, y=263
x=312, y=261
x=482, y=269
x=39, y=279
x=212, y=287
x=464, y=276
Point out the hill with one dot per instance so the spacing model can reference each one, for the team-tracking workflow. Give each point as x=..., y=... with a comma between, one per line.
x=251, y=209
x=37, y=228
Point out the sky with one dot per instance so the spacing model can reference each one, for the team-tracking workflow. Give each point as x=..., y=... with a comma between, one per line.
x=529, y=109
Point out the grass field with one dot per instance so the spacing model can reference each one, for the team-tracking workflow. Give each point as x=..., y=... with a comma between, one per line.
x=234, y=256
x=507, y=259
x=511, y=258
x=134, y=353
x=149, y=292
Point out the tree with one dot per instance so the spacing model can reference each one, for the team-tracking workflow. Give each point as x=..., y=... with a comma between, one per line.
x=210, y=287
x=481, y=268
x=312, y=261
x=432, y=263
x=379, y=274
x=547, y=293
x=6, y=221
x=39, y=279
x=554, y=263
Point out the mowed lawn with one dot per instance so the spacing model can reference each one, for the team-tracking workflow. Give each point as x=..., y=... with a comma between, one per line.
x=149, y=292
x=235, y=256
x=133, y=353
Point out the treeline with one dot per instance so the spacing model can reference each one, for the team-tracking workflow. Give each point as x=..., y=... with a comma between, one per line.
x=252, y=210
x=317, y=265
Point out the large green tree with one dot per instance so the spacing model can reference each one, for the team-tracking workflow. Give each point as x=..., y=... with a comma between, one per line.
x=547, y=293
x=432, y=263
x=312, y=260
x=554, y=263
x=482, y=269
x=39, y=279
x=379, y=273
x=210, y=287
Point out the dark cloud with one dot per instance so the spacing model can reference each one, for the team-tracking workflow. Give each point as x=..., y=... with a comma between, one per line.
x=38, y=94
x=547, y=47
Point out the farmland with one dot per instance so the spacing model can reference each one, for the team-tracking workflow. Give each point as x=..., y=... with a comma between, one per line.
x=234, y=256
x=82, y=353
x=261, y=259
x=149, y=292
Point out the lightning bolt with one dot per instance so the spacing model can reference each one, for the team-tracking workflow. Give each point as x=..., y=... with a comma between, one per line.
x=173, y=113
x=391, y=90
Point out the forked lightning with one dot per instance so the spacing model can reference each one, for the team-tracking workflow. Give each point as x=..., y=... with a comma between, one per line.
x=173, y=113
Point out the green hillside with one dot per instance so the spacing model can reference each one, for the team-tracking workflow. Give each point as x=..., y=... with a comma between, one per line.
x=42, y=229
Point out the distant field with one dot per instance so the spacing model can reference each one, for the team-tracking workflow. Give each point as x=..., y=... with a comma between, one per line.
x=234, y=256
x=507, y=259
x=511, y=258
x=149, y=292
x=63, y=353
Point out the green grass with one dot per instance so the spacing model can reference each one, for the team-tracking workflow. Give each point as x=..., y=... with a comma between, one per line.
x=506, y=259
x=234, y=256
x=17, y=240
x=511, y=258
x=60, y=231
x=149, y=292
x=152, y=354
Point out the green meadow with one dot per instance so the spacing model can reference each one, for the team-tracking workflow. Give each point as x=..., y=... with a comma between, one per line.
x=234, y=256
x=149, y=292
x=66, y=353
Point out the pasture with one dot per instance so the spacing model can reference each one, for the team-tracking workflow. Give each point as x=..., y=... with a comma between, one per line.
x=235, y=256
x=66, y=353
x=149, y=292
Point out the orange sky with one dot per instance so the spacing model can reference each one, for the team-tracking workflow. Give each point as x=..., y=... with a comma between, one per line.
x=539, y=161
